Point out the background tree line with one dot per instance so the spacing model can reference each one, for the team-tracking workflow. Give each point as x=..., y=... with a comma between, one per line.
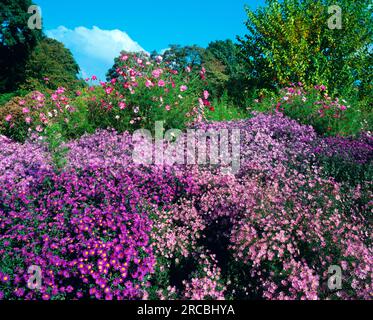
x=286, y=42
x=28, y=59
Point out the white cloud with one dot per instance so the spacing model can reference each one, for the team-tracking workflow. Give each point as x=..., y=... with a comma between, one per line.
x=94, y=46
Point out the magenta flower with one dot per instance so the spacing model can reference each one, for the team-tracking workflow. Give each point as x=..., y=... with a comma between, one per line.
x=148, y=83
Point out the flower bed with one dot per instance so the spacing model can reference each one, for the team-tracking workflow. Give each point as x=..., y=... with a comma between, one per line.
x=106, y=228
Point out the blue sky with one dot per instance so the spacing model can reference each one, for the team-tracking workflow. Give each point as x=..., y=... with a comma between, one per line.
x=95, y=31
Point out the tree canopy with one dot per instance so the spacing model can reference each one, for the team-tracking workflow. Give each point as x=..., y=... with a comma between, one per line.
x=17, y=41
x=290, y=41
x=51, y=65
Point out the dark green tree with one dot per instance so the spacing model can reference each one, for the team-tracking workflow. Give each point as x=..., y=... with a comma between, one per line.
x=224, y=69
x=179, y=57
x=50, y=59
x=17, y=41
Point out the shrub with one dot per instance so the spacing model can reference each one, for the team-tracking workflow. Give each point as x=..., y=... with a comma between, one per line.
x=145, y=91
x=314, y=107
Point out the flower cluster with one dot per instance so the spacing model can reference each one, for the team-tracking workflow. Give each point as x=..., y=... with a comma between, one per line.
x=143, y=90
x=105, y=227
x=22, y=116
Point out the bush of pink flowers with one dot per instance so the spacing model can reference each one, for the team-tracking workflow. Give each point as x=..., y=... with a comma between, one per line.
x=142, y=90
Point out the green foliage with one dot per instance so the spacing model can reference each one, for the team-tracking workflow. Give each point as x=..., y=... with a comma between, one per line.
x=289, y=41
x=224, y=69
x=50, y=66
x=6, y=97
x=79, y=122
x=17, y=41
x=224, y=110
x=54, y=139
x=179, y=57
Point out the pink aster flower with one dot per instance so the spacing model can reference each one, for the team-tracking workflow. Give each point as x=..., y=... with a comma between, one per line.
x=8, y=118
x=183, y=88
x=60, y=90
x=149, y=84
x=109, y=90
x=206, y=94
x=157, y=73
x=161, y=83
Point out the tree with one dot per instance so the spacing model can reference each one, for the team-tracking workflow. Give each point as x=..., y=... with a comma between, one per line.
x=17, y=41
x=51, y=65
x=179, y=57
x=290, y=41
x=224, y=69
